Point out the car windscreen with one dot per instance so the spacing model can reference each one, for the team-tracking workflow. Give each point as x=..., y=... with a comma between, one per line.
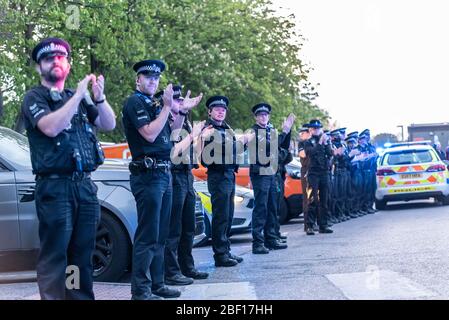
x=14, y=148
x=409, y=157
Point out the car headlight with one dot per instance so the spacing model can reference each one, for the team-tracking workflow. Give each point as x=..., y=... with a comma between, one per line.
x=238, y=199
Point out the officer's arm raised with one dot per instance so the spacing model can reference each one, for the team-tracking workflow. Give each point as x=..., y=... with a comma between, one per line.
x=150, y=131
x=106, y=116
x=55, y=122
x=185, y=143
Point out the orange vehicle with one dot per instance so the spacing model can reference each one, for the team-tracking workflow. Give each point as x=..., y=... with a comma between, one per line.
x=291, y=206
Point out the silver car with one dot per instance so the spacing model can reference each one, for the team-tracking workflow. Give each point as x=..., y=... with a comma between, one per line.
x=243, y=208
x=19, y=241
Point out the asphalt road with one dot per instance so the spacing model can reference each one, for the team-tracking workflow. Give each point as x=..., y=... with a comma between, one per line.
x=399, y=253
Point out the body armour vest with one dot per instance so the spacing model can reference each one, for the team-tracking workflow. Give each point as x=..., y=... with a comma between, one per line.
x=76, y=148
x=223, y=152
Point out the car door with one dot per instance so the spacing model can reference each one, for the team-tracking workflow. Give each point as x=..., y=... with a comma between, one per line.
x=28, y=222
x=9, y=217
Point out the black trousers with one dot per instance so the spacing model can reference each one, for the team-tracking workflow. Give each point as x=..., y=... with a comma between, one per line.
x=178, y=247
x=68, y=213
x=221, y=185
x=318, y=188
x=305, y=198
x=265, y=208
x=340, y=192
x=331, y=196
x=357, y=189
x=367, y=189
x=281, y=189
x=153, y=193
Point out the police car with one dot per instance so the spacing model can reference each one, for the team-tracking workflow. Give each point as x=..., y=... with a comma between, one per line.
x=411, y=171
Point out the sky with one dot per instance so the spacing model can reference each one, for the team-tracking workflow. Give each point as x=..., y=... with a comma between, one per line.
x=380, y=64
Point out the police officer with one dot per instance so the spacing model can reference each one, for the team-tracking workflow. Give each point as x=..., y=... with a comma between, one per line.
x=304, y=135
x=147, y=129
x=284, y=158
x=347, y=173
x=333, y=192
x=263, y=170
x=61, y=126
x=357, y=174
x=341, y=164
x=218, y=150
x=369, y=173
x=179, y=263
x=319, y=149
x=373, y=170
x=351, y=143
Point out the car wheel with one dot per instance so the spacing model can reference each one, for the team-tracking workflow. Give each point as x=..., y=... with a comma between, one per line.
x=283, y=214
x=112, y=253
x=381, y=204
x=445, y=200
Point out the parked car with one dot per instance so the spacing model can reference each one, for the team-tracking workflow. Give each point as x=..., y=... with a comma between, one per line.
x=291, y=205
x=243, y=208
x=19, y=241
x=410, y=171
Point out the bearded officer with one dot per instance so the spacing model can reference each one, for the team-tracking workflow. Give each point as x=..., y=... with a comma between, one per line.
x=61, y=125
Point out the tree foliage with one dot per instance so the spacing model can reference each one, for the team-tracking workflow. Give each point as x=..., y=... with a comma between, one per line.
x=382, y=138
x=238, y=48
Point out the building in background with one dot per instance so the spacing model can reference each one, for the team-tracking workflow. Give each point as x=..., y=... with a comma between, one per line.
x=435, y=132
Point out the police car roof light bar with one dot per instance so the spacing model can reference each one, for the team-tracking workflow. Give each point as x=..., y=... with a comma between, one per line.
x=409, y=143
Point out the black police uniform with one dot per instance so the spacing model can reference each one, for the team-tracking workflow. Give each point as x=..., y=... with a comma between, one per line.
x=304, y=169
x=352, y=169
x=359, y=181
x=264, y=181
x=66, y=198
x=318, y=182
x=371, y=168
x=341, y=183
x=221, y=185
x=284, y=158
x=178, y=248
x=151, y=185
x=368, y=173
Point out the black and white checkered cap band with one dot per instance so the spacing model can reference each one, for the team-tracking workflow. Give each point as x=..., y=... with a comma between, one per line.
x=262, y=109
x=220, y=102
x=52, y=48
x=153, y=68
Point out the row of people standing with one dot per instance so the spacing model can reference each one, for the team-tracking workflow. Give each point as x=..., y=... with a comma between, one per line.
x=164, y=192
x=338, y=176
x=61, y=126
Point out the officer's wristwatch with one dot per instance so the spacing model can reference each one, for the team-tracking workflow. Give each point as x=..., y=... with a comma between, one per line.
x=102, y=99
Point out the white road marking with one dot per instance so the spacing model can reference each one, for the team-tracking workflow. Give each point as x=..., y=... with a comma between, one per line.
x=378, y=285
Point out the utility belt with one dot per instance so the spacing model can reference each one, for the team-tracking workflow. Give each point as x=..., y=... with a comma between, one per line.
x=147, y=164
x=74, y=176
